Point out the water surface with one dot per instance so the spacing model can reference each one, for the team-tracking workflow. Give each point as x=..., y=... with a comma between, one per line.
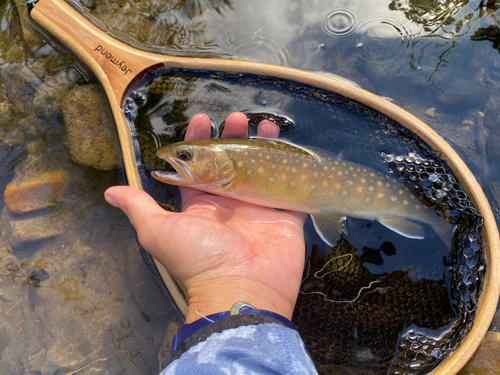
x=438, y=60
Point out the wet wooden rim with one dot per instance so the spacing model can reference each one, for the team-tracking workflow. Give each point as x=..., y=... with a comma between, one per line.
x=84, y=39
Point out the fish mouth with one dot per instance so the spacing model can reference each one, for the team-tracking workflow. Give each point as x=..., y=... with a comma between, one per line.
x=181, y=176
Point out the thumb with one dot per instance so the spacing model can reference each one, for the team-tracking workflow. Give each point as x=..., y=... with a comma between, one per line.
x=138, y=205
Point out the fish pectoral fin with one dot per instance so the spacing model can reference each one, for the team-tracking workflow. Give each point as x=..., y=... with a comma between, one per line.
x=233, y=181
x=404, y=227
x=329, y=225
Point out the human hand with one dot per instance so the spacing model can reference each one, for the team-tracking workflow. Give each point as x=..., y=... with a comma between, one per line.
x=218, y=249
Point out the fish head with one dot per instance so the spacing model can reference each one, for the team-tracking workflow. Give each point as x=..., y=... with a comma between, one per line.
x=197, y=164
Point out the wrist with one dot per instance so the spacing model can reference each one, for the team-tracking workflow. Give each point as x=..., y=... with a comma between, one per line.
x=220, y=295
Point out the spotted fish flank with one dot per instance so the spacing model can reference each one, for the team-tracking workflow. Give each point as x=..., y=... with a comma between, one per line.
x=280, y=174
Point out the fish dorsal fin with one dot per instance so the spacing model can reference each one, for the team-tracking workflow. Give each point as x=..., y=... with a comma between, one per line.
x=329, y=225
x=404, y=227
x=289, y=148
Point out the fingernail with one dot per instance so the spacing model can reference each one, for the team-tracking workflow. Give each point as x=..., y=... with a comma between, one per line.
x=110, y=200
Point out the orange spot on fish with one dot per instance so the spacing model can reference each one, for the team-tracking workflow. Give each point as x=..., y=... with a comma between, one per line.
x=359, y=189
x=325, y=183
x=303, y=177
x=283, y=176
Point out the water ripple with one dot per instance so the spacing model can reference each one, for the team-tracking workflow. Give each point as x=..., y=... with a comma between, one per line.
x=269, y=48
x=388, y=26
x=339, y=22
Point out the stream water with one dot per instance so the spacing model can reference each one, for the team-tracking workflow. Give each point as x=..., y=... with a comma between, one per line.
x=75, y=296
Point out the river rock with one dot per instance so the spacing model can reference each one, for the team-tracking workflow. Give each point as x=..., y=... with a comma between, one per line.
x=20, y=85
x=91, y=141
x=49, y=97
x=6, y=112
x=32, y=37
x=46, y=190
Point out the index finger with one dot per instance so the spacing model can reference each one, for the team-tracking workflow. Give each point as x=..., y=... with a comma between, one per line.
x=200, y=127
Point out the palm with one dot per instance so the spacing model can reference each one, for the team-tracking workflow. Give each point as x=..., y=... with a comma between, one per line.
x=238, y=240
x=221, y=250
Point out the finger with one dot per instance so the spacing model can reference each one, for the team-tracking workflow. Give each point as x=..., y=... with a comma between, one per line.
x=139, y=206
x=236, y=126
x=200, y=127
x=268, y=129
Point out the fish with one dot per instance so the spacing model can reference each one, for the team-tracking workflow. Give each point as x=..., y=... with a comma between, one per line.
x=280, y=174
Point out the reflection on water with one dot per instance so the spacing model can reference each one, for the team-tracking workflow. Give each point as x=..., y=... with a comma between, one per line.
x=74, y=295
x=339, y=22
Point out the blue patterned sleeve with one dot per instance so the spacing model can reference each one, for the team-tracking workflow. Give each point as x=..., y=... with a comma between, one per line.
x=254, y=349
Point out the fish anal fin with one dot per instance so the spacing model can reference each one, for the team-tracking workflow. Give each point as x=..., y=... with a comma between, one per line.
x=329, y=225
x=404, y=227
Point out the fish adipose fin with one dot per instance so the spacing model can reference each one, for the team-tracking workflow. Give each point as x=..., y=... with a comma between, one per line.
x=329, y=225
x=404, y=227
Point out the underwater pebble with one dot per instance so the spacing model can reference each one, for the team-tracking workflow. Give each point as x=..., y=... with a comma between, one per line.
x=485, y=360
x=431, y=112
x=45, y=191
x=88, y=123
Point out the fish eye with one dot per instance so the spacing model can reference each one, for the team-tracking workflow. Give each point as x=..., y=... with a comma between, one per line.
x=184, y=153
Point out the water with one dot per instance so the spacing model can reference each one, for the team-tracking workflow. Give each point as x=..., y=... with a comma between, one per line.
x=438, y=61
x=159, y=107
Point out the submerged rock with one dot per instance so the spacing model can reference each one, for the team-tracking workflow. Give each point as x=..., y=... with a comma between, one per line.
x=49, y=97
x=20, y=85
x=91, y=141
x=46, y=190
x=31, y=36
x=6, y=111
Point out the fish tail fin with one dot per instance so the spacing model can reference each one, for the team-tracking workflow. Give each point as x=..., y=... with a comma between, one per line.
x=444, y=231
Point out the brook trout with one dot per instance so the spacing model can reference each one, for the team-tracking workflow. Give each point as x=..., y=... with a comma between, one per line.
x=280, y=174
